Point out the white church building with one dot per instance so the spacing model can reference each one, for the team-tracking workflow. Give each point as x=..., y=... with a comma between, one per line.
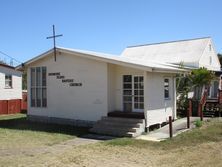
x=82, y=87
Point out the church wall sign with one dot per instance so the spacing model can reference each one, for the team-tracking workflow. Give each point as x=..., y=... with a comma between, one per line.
x=58, y=76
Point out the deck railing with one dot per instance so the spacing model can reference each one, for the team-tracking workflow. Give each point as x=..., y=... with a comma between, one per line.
x=220, y=96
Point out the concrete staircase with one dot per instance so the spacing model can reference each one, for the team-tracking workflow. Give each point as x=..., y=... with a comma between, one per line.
x=121, y=127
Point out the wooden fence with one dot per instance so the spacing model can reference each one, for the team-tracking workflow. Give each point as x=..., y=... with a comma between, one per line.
x=14, y=106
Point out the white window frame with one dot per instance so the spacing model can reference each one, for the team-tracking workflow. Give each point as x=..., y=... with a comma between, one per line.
x=166, y=98
x=133, y=108
x=37, y=87
x=8, y=85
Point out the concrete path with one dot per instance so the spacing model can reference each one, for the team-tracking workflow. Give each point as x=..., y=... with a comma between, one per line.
x=179, y=126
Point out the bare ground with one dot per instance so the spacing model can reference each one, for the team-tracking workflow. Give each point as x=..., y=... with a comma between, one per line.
x=200, y=147
x=93, y=155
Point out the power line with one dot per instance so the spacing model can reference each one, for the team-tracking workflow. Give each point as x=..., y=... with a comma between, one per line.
x=12, y=58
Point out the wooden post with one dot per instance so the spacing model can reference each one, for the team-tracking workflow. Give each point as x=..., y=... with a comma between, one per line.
x=7, y=106
x=199, y=109
x=20, y=105
x=219, y=101
x=188, y=118
x=170, y=127
x=201, y=112
x=189, y=113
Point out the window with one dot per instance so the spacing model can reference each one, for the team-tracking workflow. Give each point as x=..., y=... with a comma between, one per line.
x=210, y=61
x=8, y=81
x=166, y=88
x=210, y=47
x=38, y=87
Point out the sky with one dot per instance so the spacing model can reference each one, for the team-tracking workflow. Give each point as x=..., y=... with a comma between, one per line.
x=104, y=25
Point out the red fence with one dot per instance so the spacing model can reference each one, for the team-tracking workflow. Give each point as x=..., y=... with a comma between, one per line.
x=3, y=107
x=14, y=106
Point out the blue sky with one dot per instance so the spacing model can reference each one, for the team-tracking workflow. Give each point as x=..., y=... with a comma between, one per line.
x=104, y=25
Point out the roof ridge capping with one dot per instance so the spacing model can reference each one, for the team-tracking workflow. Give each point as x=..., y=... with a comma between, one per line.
x=157, y=43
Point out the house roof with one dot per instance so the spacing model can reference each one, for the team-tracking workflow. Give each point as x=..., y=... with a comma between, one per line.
x=188, y=51
x=6, y=65
x=114, y=59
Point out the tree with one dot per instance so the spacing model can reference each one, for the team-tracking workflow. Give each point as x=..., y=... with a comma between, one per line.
x=201, y=79
x=183, y=88
x=24, y=80
x=197, y=80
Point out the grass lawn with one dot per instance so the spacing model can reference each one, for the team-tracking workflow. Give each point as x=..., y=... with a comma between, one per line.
x=200, y=147
x=16, y=132
x=211, y=131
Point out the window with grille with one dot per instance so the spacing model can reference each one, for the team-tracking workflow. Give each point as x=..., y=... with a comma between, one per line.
x=38, y=87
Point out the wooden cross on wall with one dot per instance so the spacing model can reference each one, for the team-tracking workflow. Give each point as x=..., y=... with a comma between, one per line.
x=54, y=36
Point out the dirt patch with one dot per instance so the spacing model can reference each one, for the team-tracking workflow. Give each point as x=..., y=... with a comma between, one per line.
x=201, y=147
x=54, y=149
x=94, y=155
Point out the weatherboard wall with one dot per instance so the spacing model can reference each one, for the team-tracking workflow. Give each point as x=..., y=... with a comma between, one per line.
x=86, y=102
x=157, y=108
x=10, y=93
x=209, y=59
x=115, y=77
x=101, y=89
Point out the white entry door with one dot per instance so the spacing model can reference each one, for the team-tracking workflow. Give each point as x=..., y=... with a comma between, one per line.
x=133, y=93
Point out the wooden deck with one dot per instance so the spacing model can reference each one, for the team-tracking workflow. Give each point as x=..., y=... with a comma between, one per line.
x=123, y=114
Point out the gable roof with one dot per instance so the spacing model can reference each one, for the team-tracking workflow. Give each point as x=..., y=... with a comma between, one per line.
x=188, y=52
x=114, y=59
x=6, y=66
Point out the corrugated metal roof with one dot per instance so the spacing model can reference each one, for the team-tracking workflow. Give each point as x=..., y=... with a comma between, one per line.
x=119, y=60
x=187, y=51
x=165, y=56
x=151, y=64
x=6, y=65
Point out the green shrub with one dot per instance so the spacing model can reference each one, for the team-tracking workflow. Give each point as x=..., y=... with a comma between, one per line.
x=198, y=123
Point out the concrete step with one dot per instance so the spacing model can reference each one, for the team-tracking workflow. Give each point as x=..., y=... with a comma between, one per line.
x=114, y=132
x=114, y=128
x=123, y=120
x=119, y=124
x=130, y=134
x=121, y=127
x=104, y=131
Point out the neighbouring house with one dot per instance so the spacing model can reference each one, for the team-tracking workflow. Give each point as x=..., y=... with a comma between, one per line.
x=10, y=89
x=119, y=95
